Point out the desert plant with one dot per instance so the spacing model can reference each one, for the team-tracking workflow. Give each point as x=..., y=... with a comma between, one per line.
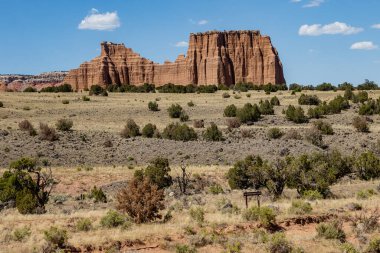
x=365, y=194
x=348, y=248
x=86, y=99
x=279, y=244
x=324, y=127
x=183, y=248
x=1, y=104
x=141, y=200
x=98, y=195
x=274, y=133
x=64, y=124
x=300, y=207
x=112, y=219
x=30, y=89
x=266, y=108
x=314, y=136
x=213, y=133
x=131, y=129
x=373, y=246
x=295, y=114
x=20, y=234
x=331, y=230
x=216, y=189
x=226, y=95
x=199, y=123
x=65, y=101
x=178, y=132
x=175, y=111
x=150, y=131
x=249, y=113
x=308, y=100
x=56, y=237
x=184, y=117
x=361, y=125
x=157, y=172
x=25, y=125
x=197, y=214
x=47, y=133
x=233, y=123
x=367, y=166
x=264, y=215
x=275, y=101
x=83, y=224
x=230, y=111
x=292, y=134
x=312, y=195
x=190, y=104
x=153, y=106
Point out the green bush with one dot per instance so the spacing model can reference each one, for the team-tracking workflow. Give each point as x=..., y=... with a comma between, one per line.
x=112, y=219
x=213, y=133
x=178, y=132
x=153, y=106
x=312, y=195
x=98, y=195
x=65, y=101
x=184, y=117
x=226, y=95
x=361, y=125
x=230, y=111
x=370, y=108
x=324, y=127
x=325, y=87
x=184, y=249
x=308, y=100
x=20, y=234
x=190, y=104
x=348, y=248
x=315, y=137
x=239, y=175
x=361, y=97
x=1, y=104
x=367, y=166
x=158, y=172
x=373, y=246
x=64, y=124
x=83, y=224
x=233, y=123
x=331, y=230
x=249, y=113
x=175, y=111
x=197, y=214
x=97, y=90
x=275, y=101
x=264, y=215
x=85, y=98
x=365, y=194
x=56, y=237
x=278, y=244
x=348, y=94
x=300, y=207
x=216, y=189
x=30, y=89
x=60, y=88
x=274, y=133
x=25, y=125
x=296, y=114
x=266, y=108
x=150, y=131
x=26, y=202
x=131, y=129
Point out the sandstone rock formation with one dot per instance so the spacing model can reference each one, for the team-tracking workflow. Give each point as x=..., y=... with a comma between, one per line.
x=228, y=58
x=11, y=82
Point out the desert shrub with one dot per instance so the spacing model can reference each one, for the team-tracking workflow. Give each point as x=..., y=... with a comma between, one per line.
x=175, y=111
x=308, y=100
x=85, y=98
x=274, y=133
x=239, y=175
x=226, y=95
x=324, y=127
x=216, y=189
x=30, y=89
x=112, y=219
x=150, y=131
x=131, y=129
x=365, y=194
x=20, y=234
x=348, y=248
x=292, y=134
x=331, y=230
x=249, y=113
x=47, y=133
x=64, y=124
x=230, y=111
x=178, y=132
x=197, y=214
x=233, y=123
x=338, y=104
x=266, y=108
x=56, y=237
x=275, y=101
x=278, y=244
x=65, y=101
x=199, y=123
x=373, y=246
x=213, y=133
x=157, y=172
x=314, y=137
x=360, y=97
x=97, y=90
x=184, y=117
x=370, y=108
x=190, y=104
x=183, y=248
x=25, y=125
x=348, y=94
x=361, y=125
x=98, y=195
x=26, y=202
x=368, y=85
x=325, y=87
x=83, y=224
x=312, y=195
x=315, y=113
x=295, y=114
x=60, y=88
x=367, y=166
x=1, y=104
x=141, y=200
x=264, y=215
x=246, y=133
x=153, y=106
x=300, y=207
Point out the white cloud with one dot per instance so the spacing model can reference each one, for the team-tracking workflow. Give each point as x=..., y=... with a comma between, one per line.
x=329, y=29
x=181, y=44
x=108, y=21
x=202, y=22
x=295, y=1
x=364, y=45
x=314, y=3
x=376, y=26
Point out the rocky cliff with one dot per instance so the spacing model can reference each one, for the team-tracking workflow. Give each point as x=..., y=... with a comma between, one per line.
x=17, y=82
x=228, y=58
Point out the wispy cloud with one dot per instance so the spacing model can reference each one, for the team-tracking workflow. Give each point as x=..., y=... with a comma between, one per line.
x=295, y=1
x=314, y=3
x=199, y=22
x=376, y=26
x=181, y=44
x=329, y=29
x=364, y=45
x=108, y=21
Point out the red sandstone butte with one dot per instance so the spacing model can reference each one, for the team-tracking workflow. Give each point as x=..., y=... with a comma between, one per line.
x=214, y=57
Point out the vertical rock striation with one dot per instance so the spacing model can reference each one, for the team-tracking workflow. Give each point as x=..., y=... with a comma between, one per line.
x=212, y=58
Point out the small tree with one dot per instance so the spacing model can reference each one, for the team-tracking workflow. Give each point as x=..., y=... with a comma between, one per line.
x=175, y=111
x=158, y=172
x=153, y=106
x=64, y=124
x=142, y=201
x=361, y=125
x=213, y=133
x=131, y=129
x=230, y=111
x=47, y=133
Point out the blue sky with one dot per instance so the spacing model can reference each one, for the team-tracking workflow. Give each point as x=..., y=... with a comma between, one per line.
x=318, y=40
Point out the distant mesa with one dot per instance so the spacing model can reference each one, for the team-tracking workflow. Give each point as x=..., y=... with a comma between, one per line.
x=214, y=57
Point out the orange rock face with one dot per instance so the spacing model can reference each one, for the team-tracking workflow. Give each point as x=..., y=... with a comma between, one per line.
x=212, y=58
